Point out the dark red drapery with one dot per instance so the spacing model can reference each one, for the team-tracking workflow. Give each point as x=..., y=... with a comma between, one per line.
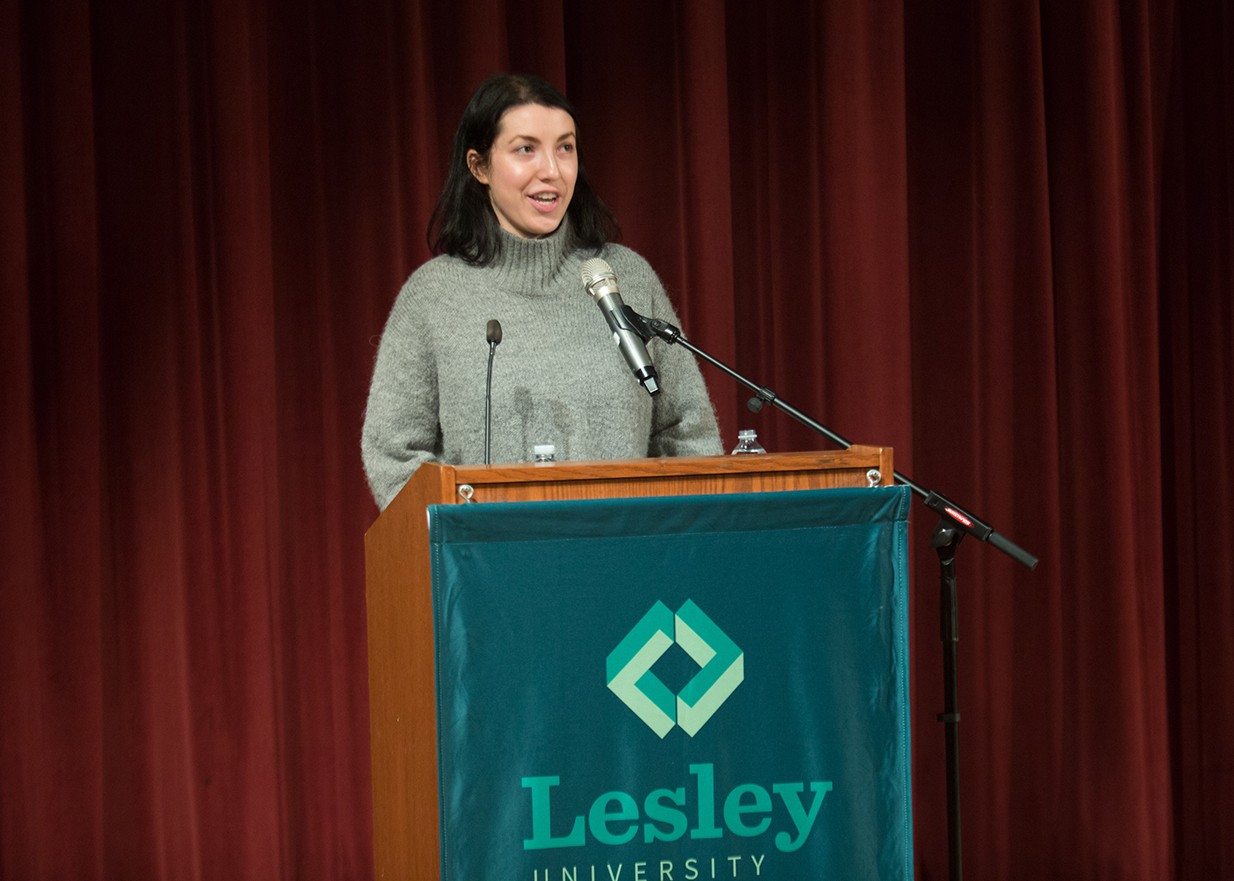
x=998, y=237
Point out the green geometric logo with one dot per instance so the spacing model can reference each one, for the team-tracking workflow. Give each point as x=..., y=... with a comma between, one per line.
x=722, y=668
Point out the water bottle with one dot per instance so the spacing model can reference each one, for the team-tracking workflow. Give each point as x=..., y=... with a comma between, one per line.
x=747, y=443
x=544, y=453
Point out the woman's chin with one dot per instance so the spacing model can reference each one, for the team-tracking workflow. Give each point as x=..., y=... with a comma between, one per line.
x=534, y=228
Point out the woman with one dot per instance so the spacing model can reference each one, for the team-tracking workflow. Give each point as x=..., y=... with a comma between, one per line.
x=514, y=223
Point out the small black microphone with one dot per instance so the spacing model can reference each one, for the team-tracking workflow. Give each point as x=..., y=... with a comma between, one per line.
x=600, y=282
x=493, y=335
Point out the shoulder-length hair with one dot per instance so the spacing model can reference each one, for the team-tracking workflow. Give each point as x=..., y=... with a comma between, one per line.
x=463, y=224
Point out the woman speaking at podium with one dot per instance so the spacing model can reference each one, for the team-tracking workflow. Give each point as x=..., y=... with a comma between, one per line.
x=515, y=222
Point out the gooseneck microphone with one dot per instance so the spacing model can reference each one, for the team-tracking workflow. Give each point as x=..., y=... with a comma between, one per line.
x=493, y=335
x=601, y=283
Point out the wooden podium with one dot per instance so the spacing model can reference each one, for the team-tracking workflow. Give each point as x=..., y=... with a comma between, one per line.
x=402, y=699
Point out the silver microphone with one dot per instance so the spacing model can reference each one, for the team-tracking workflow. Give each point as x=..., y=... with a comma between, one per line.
x=601, y=283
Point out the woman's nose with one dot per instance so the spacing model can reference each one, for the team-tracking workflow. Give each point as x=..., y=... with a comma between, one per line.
x=548, y=165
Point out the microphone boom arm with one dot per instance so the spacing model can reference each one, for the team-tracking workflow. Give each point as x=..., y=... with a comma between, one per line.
x=964, y=520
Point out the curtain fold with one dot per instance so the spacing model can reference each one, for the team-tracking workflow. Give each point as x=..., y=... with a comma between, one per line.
x=986, y=426
x=996, y=238
x=52, y=635
x=1197, y=345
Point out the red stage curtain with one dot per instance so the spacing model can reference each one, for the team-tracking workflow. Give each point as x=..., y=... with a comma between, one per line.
x=998, y=237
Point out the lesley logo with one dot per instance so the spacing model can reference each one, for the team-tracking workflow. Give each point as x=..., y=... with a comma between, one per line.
x=629, y=668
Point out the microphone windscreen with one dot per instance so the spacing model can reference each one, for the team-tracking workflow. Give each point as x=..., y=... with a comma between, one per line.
x=494, y=331
x=595, y=269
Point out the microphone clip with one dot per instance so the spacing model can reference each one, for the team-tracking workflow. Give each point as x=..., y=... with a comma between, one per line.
x=650, y=328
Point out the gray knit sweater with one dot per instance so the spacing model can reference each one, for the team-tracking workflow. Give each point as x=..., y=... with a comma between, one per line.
x=558, y=378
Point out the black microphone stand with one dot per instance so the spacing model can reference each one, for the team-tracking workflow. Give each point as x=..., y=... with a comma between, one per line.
x=954, y=523
x=493, y=336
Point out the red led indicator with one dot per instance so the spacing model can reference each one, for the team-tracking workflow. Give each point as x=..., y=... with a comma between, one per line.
x=960, y=517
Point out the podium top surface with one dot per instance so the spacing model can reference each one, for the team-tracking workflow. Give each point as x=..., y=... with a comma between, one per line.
x=437, y=483
x=854, y=457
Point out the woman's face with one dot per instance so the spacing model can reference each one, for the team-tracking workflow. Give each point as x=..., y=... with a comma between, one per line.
x=531, y=169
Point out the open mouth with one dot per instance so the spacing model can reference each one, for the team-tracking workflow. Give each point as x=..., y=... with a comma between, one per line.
x=545, y=201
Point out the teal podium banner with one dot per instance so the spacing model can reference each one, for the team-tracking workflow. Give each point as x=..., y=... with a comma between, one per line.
x=674, y=689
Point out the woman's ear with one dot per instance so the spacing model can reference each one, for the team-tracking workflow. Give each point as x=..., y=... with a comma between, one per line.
x=476, y=165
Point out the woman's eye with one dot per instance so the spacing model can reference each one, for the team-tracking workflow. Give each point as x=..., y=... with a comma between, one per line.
x=525, y=148
x=567, y=148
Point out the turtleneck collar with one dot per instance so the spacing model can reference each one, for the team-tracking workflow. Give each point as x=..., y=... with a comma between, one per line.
x=529, y=266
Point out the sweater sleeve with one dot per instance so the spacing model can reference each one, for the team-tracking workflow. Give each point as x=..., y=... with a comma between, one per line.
x=683, y=420
x=401, y=428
